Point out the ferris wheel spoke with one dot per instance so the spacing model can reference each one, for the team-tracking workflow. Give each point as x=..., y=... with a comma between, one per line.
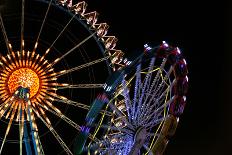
x=62, y=99
x=10, y=110
x=137, y=89
x=18, y=113
x=159, y=98
x=163, y=82
x=62, y=116
x=74, y=48
x=148, y=76
x=149, y=96
x=9, y=126
x=48, y=50
x=145, y=85
x=42, y=25
x=160, y=109
x=73, y=103
x=6, y=106
x=81, y=66
x=55, y=134
x=154, y=101
x=148, y=108
x=22, y=25
x=156, y=93
x=66, y=119
x=154, y=84
x=5, y=35
x=154, y=123
x=151, y=113
x=144, y=119
x=68, y=86
x=148, y=112
x=41, y=112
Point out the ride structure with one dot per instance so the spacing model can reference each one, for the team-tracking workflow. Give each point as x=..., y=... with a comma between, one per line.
x=50, y=77
x=147, y=98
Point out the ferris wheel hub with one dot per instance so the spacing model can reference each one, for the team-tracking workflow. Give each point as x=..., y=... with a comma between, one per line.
x=26, y=78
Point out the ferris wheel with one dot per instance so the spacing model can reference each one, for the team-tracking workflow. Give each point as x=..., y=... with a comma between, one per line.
x=146, y=97
x=55, y=58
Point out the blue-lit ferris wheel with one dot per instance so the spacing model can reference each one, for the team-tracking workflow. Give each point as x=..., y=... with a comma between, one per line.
x=146, y=97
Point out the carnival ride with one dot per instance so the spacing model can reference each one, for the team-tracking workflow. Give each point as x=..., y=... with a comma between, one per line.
x=51, y=58
x=147, y=97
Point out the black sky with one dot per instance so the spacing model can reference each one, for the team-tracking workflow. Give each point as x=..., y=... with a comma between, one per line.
x=201, y=29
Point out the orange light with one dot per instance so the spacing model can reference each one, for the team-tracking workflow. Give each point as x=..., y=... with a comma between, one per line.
x=26, y=78
x=21, y=69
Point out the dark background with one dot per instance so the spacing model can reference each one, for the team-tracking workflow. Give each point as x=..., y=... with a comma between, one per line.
x=202, y=30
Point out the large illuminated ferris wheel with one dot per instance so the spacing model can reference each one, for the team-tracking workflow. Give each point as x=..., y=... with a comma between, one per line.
x=50, y=50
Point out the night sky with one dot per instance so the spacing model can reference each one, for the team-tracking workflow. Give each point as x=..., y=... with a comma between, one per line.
x=202, y=30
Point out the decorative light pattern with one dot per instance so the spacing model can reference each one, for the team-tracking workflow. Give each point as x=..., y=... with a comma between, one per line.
x=144, y=98
x=26, y=78
x=28, y=71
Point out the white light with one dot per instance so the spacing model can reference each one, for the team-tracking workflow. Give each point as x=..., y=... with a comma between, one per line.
x=184, y=61
x=178, y=50
x=165, y=44
x=184, y=97
x=109, y=88
x=104, y=86
x=147, y=48
x=128, y=63
x=187, y=78
x=125, y=60
x=36, y=44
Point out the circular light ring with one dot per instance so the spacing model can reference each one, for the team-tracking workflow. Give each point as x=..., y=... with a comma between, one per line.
x=30, y=71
